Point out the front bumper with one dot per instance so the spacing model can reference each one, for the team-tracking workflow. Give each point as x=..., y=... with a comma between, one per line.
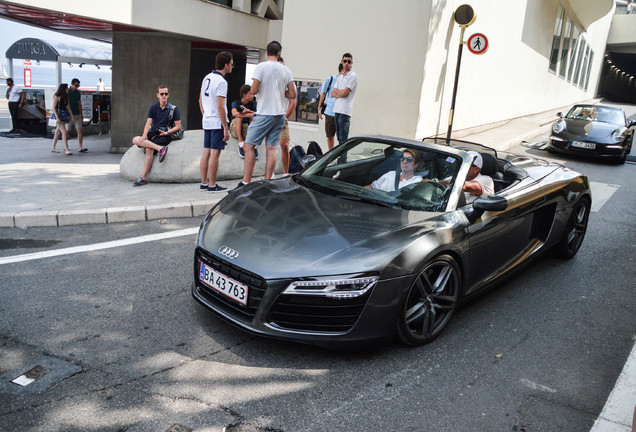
x=369, y=320
x=562, y=145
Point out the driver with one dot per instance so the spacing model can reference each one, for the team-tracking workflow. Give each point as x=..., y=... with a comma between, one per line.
x=386, y=183
x=477, y=184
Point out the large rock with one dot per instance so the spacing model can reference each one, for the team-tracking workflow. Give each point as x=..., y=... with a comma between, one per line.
x=181, y=164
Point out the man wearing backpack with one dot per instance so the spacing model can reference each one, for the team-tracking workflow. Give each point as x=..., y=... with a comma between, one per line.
x=328, y=100
x=157, y=130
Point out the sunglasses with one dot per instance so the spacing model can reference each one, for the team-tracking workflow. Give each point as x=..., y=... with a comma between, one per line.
x=163, y=94
x=406, y=159
x=347, y=61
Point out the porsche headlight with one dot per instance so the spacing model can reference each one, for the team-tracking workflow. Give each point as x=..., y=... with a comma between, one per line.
x=558, y=127
x=336, y=288
x=619, y=134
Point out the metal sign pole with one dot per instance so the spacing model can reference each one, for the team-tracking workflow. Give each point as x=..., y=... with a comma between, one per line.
x=464, y=16
x=459, y=63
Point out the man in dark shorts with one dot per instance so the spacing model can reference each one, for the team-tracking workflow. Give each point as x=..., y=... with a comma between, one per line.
x=157, y=130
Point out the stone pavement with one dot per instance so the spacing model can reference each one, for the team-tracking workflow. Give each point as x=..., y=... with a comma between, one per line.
x=40, y=188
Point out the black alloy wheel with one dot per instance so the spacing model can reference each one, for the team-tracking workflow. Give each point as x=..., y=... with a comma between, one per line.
x=575, y=230
x=430, y=301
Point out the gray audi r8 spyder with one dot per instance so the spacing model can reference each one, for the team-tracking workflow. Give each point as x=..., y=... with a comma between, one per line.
x=593, y=130
x=327, y=257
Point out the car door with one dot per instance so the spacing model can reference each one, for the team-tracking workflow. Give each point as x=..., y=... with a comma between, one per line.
x=499, y=241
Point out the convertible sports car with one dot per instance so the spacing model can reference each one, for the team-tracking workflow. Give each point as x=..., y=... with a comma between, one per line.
x=593, y=130
x=324, y=258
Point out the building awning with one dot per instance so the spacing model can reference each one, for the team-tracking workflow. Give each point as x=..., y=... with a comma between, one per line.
x=63, y=52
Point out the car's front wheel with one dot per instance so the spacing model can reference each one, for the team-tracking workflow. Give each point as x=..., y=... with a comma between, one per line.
x=575, y=230
x=430, y=301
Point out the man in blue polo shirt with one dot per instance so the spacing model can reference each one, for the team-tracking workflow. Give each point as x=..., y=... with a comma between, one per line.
x=157, y=130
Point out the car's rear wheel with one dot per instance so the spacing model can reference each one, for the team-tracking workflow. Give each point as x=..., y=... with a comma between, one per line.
x=575, y=230
x=430, y=301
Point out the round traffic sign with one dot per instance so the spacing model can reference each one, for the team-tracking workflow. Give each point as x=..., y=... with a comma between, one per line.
x=477, y=43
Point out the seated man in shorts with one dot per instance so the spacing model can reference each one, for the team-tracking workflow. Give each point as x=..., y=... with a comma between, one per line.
x=157, y=130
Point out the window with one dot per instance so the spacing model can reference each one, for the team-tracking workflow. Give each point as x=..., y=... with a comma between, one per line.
x=589, y=68
x=584, y=69
x=579, y=60
x=567, y=41
x=556, y=39
x=308, y=95
x=575, y=40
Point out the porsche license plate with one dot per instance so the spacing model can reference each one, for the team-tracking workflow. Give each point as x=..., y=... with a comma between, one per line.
x=585, y=145
x=223, y=284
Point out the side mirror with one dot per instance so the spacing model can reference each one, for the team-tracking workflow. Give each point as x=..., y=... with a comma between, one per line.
x=630, y=124
x=560, y=114
x=307, y=160
x=484, y=204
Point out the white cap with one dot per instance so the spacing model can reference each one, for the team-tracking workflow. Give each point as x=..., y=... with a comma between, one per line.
x=477, y=159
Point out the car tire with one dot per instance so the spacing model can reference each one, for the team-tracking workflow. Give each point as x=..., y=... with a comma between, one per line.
x=430, y=301
x=575, y=229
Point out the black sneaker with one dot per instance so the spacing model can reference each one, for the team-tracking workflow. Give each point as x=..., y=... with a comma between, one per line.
x=216, y=188
x=241, y=152
x=140, y=182
x=203, y=186
x=240, y=185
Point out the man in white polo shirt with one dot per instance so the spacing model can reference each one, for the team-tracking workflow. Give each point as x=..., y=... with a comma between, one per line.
x=345, y=94
x=16, y=98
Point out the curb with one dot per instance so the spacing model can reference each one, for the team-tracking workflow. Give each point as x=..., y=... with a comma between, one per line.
x=60, y=218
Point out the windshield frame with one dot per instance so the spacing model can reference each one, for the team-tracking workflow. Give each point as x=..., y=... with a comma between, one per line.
x=344, y=172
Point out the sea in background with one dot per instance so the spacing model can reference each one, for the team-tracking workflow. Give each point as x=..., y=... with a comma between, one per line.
x=44, y=75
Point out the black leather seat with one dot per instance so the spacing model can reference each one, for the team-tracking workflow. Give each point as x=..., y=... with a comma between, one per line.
x=491, y=168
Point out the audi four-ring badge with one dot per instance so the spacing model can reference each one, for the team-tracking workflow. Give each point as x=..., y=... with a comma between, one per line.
x=376, y=240
x=228, y=252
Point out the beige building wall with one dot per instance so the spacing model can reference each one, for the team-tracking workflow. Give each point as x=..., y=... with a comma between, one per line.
x=405, y=53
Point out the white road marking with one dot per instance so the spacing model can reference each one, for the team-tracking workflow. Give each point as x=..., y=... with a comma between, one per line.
x=97, y=246
x=601, y=193
x=535, y=386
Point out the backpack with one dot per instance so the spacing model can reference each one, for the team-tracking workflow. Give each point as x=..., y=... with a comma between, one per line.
x=179, y=134
x=296, y=155
x=314, y=149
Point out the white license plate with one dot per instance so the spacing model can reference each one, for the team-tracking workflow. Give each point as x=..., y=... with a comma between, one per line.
x=223, y=284
x=585, y=145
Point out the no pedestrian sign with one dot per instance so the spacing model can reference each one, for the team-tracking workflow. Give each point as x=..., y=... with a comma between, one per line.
x=477, y=43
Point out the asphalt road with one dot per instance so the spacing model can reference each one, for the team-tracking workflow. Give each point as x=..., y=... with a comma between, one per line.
x=124, y=346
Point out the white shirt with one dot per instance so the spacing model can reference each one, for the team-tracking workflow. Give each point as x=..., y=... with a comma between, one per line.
x=101, y=86
x=14, y=93
x=212, y=86
x=344, y=105
x=387, y=182
x=274, y=78
x=487, y=187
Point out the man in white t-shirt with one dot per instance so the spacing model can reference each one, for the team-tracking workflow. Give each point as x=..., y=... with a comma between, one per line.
x=407, y=175
x=274, y=83
x=345, y=94
x=215, y=128
x=16, y=99
x=477, y=184
x=101, y=86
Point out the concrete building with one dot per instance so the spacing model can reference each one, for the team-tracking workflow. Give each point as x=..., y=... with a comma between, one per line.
x=541, y=54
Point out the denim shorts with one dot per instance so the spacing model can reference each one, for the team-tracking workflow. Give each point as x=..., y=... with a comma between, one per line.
x=265, y=126
x=213, y=138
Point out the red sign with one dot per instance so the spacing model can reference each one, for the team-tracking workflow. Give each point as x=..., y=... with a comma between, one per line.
x=27, y=77
x=477, y=43
x=27, y=62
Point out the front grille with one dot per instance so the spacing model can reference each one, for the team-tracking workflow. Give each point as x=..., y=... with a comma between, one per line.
x=318, y=314
x=255, y=283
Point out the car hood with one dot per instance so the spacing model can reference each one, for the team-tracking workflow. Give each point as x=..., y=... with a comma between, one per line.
x=584, y=130
x=281, y=229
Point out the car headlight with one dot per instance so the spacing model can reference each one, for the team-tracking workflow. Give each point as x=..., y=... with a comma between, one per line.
x=337, y=288
x=619, y=134
x=558, y=127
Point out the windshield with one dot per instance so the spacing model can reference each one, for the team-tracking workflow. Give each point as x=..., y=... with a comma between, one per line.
x=389, y=174
x=597, y=113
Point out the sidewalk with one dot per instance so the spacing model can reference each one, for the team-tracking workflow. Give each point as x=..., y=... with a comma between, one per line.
x=40, y=188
